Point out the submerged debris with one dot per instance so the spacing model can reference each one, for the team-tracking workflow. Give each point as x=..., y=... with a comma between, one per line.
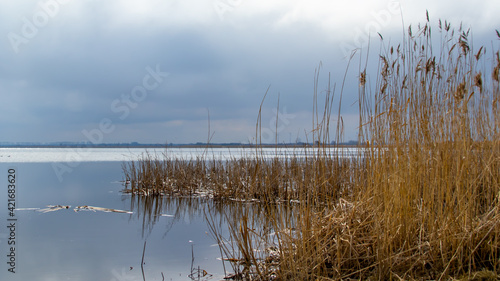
x=107, y=210
x=52, y=208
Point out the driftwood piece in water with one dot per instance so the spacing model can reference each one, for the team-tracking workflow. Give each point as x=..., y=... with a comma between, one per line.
x=52, y=208
x=107, y=210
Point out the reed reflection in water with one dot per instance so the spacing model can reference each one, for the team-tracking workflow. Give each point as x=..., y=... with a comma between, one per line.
x=149, y=209
x=244, y=231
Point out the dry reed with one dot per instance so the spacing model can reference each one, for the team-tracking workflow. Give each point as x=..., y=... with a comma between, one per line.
x=420, y=201
x=425, y=196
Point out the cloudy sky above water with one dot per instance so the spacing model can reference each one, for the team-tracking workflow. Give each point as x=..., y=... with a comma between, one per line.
x=153, y=71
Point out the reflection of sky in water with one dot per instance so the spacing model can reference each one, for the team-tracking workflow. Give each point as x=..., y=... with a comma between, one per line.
x=86, y=245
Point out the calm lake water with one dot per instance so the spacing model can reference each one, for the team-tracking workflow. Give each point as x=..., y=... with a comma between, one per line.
x=65, y=244
x=88, y=245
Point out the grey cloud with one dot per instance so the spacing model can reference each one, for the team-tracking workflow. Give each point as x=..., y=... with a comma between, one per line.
x=67, y=77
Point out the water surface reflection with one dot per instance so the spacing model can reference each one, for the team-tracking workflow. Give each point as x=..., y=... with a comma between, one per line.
x=244, y=232
x=98, y=245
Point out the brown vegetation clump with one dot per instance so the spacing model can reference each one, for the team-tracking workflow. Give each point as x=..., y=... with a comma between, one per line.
x=421, y=200
x=425, y=199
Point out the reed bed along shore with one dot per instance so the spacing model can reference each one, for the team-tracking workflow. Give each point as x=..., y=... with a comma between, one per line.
x=420, y=201
x=280, y=179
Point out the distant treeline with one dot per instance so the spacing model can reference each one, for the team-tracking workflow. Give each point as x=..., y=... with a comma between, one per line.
x=147, y=145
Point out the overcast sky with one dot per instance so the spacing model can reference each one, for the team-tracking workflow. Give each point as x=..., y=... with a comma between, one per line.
x=151, y=71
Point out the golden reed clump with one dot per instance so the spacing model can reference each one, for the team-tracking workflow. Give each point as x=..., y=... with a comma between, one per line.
x=420, y=200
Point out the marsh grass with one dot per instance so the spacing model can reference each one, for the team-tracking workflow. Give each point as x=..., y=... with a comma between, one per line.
x=419, y=201
x=263, y=179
